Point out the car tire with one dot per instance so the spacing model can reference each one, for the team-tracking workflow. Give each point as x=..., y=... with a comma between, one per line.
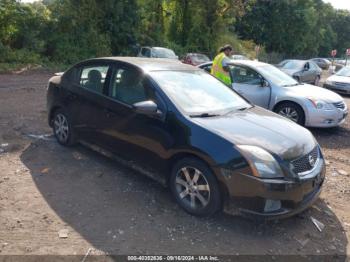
x=62, y=128
x=292, y=111
x=195, y=188
x=317, y=80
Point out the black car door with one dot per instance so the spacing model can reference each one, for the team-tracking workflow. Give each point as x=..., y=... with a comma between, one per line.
x=137, y=137
x=87, y=97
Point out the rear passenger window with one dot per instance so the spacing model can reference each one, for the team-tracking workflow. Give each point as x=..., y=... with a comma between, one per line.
x=312, y=66
x=93, y=78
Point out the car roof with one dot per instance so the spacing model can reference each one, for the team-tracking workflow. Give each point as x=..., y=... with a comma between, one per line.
x=238, y=62
x=247, y=62
x=159, y=47
x=196, y=54
x=150, y=64
x=300, y=60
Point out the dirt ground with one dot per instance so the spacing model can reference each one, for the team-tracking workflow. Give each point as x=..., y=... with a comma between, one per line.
x=67, y=201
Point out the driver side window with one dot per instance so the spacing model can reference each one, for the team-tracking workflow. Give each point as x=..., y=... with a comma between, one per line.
x=130, y=86
x=244, y=75
x=127, y=86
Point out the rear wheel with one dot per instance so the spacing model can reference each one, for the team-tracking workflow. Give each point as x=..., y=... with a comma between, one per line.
x=62, y=128
x=195, y=187
x=291, y=111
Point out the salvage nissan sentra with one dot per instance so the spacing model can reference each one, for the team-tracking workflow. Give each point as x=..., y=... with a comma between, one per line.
x=188, y=130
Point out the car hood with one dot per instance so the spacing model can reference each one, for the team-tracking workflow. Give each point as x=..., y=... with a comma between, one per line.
x=341, y=79
x=290, y=71
x=314, y=92
x=259, y=127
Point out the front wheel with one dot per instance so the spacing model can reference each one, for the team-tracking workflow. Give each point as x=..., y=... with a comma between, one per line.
x=291, y=111
x=195, y=187
x=62, y=128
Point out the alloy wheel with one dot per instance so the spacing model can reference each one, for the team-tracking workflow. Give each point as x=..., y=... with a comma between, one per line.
x=61, y=128
x=290, y=113
x=192, y=188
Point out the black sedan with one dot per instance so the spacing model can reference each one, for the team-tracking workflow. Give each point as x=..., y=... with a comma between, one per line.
x=188, y=130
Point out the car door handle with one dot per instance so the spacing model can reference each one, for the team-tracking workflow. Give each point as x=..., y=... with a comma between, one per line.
x=72, y=96
x=109, y=113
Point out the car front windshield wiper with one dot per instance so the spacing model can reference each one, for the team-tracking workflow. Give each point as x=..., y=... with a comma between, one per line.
x=244, y=108
x=296, y=84
x=238, y=109
x=203, y=115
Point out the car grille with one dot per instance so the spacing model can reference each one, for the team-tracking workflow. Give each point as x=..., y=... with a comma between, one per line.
x=340, y=105
x=302, y=165
x=341, y=84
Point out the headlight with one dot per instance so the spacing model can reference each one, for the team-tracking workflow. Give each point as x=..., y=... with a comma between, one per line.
x=262, y=162
x=321, y=105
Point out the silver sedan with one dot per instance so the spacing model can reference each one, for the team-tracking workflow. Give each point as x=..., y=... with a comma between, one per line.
x=267, y=86
x=340, y=81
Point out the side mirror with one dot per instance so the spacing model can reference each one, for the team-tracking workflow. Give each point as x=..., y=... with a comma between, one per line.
x=146, y=107
x=264, y=83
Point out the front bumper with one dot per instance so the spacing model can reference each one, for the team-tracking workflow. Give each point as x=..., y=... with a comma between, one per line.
x=251, y=196
x=325, y=118
x=338, y=89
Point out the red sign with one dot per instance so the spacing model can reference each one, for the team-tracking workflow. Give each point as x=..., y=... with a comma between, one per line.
x=348, y=52
x=334, y=52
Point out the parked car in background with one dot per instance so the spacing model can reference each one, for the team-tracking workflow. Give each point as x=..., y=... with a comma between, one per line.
x=323, y=63
x=239, y=57
x=340, y=61
x=181, y=125
x=282, y=63
x=267, y=86
x=157, y=52
x=195, y=59
x=304, y=71
x=336, y=65
x=340, y=81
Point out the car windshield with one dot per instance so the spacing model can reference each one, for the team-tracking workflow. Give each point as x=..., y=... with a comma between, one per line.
x=345, y=71
x=196, y=92
x=163, y=53
x=199, y=58
x=276, y=76
x=293, y=64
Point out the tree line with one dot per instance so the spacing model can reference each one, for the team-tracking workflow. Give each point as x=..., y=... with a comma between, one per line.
x=66, y=31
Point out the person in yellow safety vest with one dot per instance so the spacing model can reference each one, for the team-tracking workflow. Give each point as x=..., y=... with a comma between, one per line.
x=220, y=67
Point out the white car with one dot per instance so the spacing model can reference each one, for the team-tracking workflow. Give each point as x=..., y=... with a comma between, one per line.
x=340, y=81
x=267, y=86
x=157, y=52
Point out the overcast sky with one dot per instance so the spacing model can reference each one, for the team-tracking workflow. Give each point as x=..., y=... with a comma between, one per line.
x=340, y=4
